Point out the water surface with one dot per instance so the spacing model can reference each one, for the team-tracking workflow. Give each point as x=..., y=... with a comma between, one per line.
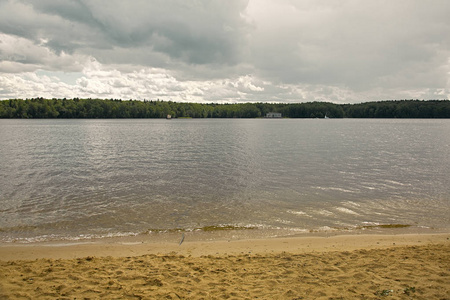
x=76, y=179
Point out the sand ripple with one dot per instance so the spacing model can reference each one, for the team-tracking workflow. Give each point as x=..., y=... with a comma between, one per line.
x=406, y=272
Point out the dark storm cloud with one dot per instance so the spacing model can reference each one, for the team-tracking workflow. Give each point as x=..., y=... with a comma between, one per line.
x=197, y=32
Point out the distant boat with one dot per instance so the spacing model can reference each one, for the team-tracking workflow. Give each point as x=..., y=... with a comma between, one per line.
x=169, y=117
x=326, y=117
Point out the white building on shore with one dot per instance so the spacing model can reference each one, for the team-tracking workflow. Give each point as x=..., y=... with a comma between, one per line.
x=273, y=115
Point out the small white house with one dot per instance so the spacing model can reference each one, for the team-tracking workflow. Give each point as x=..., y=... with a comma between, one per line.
x=273, y=115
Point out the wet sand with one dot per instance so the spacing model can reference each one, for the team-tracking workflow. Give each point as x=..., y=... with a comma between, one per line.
x=412, y=266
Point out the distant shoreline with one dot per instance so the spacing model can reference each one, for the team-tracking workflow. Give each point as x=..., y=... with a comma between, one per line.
x=40, y=108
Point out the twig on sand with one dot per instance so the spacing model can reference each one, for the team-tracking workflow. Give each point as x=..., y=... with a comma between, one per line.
x=182, y=239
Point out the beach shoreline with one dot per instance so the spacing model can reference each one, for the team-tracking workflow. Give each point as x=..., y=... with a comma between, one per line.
x=364, y=266
x=194, y=246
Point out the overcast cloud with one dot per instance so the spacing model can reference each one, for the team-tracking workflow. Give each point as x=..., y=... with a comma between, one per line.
x=226, y=51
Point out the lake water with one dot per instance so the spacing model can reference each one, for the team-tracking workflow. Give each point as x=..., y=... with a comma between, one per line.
x=81, y=179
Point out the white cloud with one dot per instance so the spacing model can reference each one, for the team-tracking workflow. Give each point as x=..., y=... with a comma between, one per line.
x=18, y=54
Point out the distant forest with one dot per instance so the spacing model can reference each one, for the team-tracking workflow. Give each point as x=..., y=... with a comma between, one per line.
x=96, y=108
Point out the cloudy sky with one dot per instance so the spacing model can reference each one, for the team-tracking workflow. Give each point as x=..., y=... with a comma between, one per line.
x=220, y=51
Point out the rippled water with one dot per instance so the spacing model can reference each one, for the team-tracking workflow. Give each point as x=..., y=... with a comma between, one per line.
x=71, y=179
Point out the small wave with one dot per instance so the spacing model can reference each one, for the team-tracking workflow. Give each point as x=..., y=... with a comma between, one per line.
x=368, y=187
x=299, y=213
x=347, y=211
x=351, y=203
x=204, y=228
x=323, y=229
x=325, y=212
x=386, y=226
x=55, y=237
x=337, y=189
x=283, y=221
x=397, y=183
x=82, y=237
x=299, y=230
x=371, y=225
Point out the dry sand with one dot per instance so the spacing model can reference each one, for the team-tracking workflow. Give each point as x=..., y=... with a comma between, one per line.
x=340, y=267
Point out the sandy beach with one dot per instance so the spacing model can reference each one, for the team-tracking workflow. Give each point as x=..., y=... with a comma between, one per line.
x=405, y=266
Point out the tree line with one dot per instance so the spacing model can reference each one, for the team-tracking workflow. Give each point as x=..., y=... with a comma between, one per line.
x=114, y=108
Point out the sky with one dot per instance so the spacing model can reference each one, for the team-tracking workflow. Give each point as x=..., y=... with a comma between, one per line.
x=226, y=51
